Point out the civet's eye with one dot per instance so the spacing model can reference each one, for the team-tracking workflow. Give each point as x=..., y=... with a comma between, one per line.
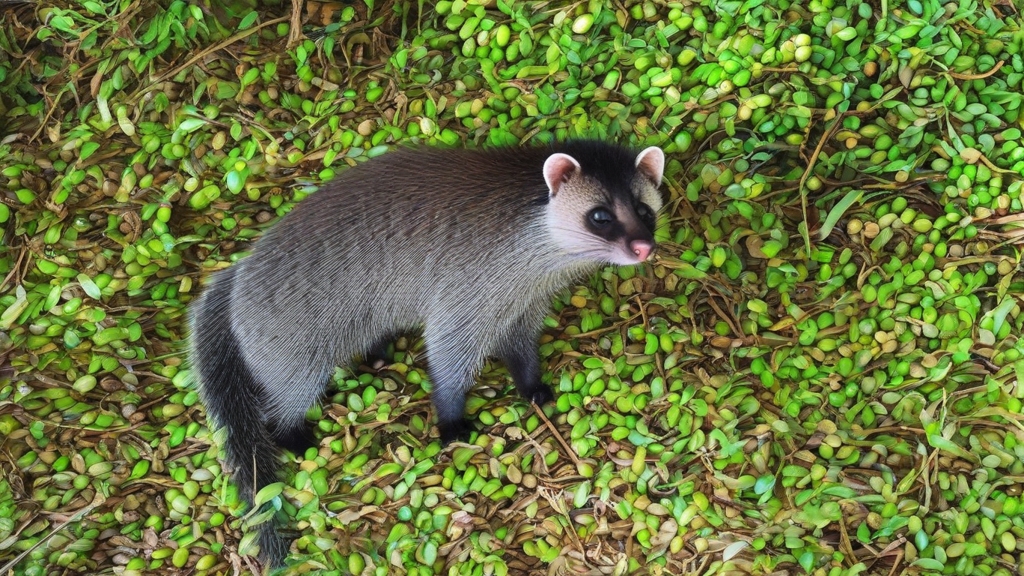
x=601, y=217
x=644, y=211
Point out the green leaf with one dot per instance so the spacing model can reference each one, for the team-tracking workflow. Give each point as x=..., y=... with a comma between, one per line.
x=94, y=7
x=268, y=493
x=837, y=211
x=88, y=149
x=764, y=484
x=192, y=124
x=63, y=23
x=248, y=20
x=638, y=439
x=807, y=561
x=1000, y=313
x=733, y=549
x=235, y=181
x=15, y=308
x=89, y=286
x=940, y=443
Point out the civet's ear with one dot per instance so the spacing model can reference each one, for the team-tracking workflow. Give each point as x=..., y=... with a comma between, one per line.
x=651, y=163
x=558, y=169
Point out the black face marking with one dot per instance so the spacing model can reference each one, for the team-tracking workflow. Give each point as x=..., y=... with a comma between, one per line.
x=602, y=223
x=646, y=215
x=610, y=167
x=606, y=223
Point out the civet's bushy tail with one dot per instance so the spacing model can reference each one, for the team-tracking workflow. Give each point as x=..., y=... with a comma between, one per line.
x=250, y=451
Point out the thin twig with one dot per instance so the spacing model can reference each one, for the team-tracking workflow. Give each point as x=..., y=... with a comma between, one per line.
x=807, y=174
x=49, y=114
x=295, y=27
x=983, y=75
x=554, y=432
x=14, y=270
x=728, y=318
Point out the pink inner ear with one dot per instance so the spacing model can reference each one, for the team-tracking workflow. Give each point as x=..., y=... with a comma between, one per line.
x=558, y=168
x=651, y=161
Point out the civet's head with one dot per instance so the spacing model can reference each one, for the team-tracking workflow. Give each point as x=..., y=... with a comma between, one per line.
x=602, y=201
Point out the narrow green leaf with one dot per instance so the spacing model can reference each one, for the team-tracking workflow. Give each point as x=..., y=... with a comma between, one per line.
x=248, y=20
x=837, y=212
